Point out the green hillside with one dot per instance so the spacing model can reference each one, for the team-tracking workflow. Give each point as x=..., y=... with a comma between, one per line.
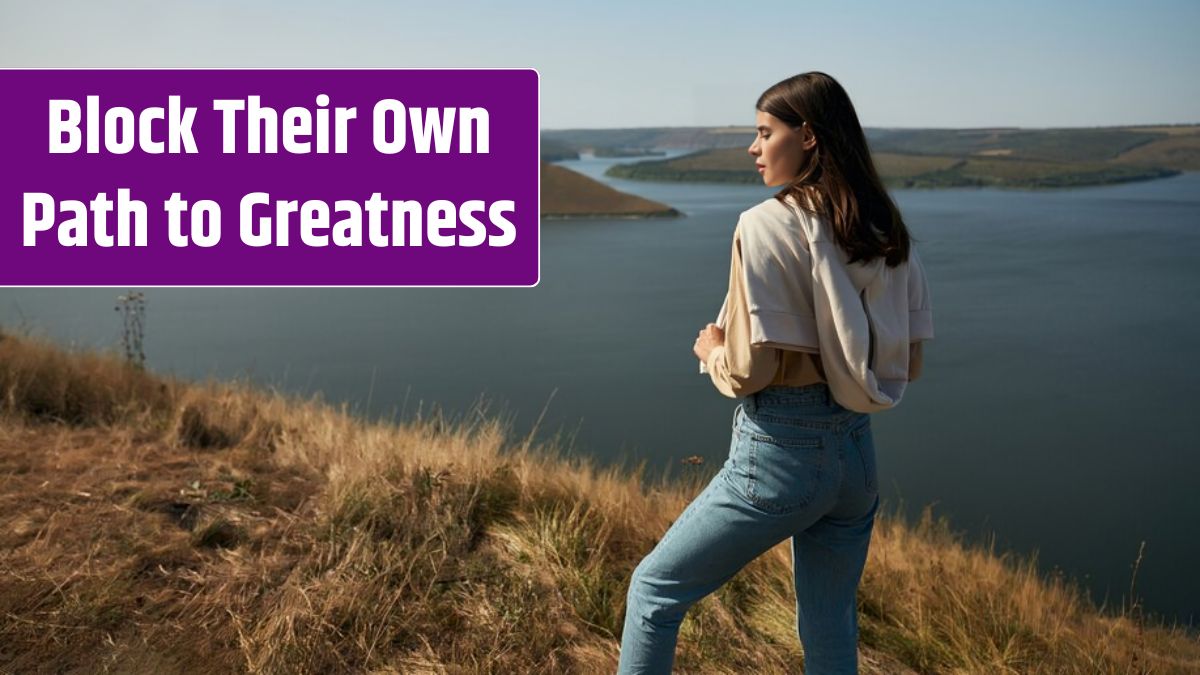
x=1053, y=145
x=996, y=167
x=923, y=158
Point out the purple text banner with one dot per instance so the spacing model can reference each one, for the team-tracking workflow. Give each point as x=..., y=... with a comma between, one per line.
x=270, y=178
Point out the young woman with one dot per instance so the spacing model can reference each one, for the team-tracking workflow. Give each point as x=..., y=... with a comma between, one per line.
x=822, y=324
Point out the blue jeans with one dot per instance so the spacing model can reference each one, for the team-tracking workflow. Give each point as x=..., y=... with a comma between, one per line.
x=801, y=466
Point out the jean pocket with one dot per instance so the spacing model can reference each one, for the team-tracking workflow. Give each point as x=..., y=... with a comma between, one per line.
x=783, y=474
x=864, y=443
x=735, y=437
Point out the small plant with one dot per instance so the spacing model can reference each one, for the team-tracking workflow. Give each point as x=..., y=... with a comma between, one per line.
x=240, y=491
x=132, y=307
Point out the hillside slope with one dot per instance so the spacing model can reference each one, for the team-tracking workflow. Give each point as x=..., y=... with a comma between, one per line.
x=567, y=193
x=151, y=525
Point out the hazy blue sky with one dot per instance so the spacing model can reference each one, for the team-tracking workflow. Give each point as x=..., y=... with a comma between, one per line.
x=621, y=63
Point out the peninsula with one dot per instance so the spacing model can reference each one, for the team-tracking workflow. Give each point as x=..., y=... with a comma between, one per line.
x=569, y=194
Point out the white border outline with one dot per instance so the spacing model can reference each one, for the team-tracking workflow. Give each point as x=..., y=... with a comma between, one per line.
x=538, y=159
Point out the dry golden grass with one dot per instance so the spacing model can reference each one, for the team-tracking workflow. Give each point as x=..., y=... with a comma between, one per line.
x=148, y=525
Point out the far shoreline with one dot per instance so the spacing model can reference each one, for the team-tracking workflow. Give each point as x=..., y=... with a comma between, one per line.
x=919, y=158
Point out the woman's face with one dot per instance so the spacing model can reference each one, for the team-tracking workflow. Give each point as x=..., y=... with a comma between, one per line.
x=780, y=150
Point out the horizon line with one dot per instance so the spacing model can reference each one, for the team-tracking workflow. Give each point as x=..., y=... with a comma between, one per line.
x=748, y=127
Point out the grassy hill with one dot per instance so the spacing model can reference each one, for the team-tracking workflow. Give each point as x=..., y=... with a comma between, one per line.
x=555, y=151
x=568, y=194
x=1053, y=145
x=729, y=165
x=909, y=170
x=608, y=141
x=150, y=525
x=1178, y=147
x=930, y=158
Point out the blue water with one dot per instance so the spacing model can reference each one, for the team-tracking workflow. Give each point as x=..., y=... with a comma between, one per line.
x=1054, y=411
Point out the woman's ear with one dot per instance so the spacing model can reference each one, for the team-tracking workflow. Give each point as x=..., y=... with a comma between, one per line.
x=808, y=140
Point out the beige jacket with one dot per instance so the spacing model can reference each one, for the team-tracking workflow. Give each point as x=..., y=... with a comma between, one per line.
x=781, y=303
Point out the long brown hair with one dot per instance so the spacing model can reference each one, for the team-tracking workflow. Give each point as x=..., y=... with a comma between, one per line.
x=839, y=177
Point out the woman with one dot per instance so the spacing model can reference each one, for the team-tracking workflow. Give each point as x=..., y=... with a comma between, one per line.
x=822, y=324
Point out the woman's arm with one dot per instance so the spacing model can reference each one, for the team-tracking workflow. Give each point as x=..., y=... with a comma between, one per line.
x=736, y=367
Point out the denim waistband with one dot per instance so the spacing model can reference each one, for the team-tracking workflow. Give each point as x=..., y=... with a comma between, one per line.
x=816, y=394
x=811, y=406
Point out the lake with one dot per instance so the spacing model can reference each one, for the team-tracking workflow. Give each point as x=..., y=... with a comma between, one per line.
x=1052, y=411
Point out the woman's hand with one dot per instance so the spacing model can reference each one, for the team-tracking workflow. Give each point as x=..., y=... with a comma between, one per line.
x=711, y=337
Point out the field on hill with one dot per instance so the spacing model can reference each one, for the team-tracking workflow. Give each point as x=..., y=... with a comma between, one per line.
x=1180, y=149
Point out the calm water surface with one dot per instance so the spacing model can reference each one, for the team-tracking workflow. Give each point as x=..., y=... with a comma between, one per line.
x=1055, y=410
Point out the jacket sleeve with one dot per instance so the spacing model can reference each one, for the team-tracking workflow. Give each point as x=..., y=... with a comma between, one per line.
x=920, y=305
x=738, y=368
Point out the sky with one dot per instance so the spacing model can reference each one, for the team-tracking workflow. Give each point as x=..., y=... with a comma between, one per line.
x=635, y=64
